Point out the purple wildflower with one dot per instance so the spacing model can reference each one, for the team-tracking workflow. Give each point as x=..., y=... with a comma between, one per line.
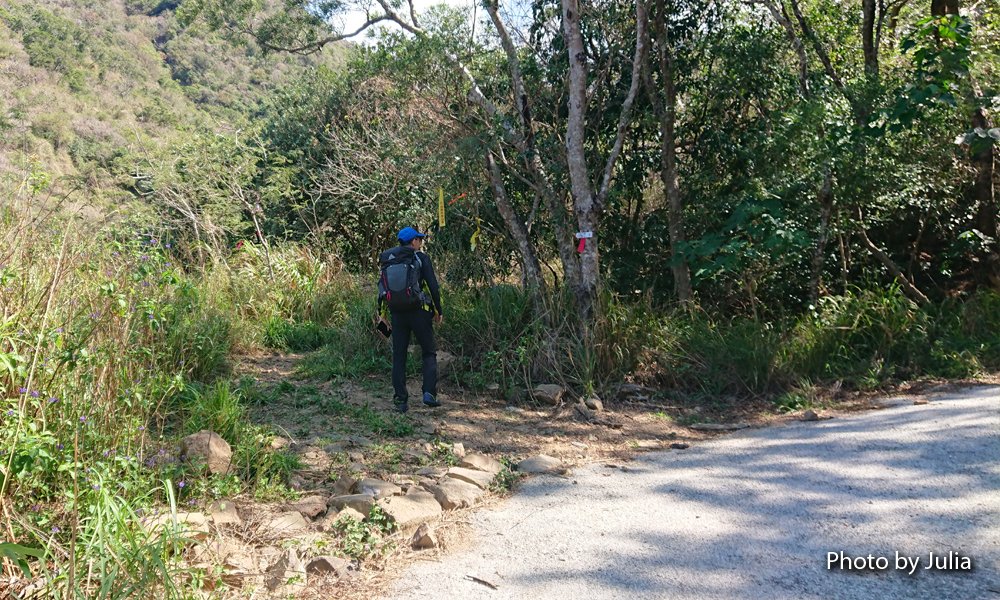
x=22, y=390
x=56, y=530
x=59, y=446
x=83, y=419
x=181, y=484
x=35, y=393
x=10, y=413
x=53, y=400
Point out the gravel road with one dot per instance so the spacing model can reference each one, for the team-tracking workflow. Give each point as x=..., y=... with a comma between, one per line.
x=754, y=515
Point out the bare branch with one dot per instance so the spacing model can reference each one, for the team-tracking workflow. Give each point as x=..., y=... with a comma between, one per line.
x=626, y=114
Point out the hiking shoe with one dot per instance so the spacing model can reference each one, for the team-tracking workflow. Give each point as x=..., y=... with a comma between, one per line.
x=400, y=407
x=430, y=400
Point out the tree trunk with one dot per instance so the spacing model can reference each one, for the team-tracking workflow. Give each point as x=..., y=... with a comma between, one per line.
x=534, y=283
x=869, y=38
x=825, y=200
x=668, y=161
x=576, y=160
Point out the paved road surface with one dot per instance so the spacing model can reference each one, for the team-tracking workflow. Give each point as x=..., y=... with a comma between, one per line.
x=753, y=515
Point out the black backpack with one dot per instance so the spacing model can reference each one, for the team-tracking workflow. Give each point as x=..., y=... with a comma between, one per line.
x=401, y=281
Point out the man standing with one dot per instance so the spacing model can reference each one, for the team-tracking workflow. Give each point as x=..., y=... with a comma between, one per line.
x=407, y=277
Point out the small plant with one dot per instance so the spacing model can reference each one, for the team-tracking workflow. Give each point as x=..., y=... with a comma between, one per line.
x=364, y=539
x=505, y=480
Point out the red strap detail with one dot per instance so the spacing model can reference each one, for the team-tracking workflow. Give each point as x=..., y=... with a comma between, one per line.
x=581, y=245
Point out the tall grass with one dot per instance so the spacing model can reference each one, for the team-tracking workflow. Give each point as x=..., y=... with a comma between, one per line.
x=103, y=343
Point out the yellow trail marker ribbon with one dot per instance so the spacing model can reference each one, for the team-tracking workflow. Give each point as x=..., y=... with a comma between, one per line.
x=474, y=240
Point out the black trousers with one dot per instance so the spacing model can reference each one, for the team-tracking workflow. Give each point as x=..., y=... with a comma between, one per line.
x=420, y=323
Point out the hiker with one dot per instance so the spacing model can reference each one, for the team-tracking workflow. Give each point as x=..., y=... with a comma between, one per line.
x=409, y=290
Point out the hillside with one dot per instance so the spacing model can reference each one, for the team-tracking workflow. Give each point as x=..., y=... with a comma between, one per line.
x=88, y=91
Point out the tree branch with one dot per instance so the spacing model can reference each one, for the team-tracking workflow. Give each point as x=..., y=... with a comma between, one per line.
x=626, y=114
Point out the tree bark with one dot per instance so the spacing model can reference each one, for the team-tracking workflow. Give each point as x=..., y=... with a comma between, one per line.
x=534, y=283
x=869, y=38
x=666, y=111
x=576, y=160
x=825, y=201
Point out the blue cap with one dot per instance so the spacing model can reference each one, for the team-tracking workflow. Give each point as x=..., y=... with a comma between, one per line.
x=407, y=234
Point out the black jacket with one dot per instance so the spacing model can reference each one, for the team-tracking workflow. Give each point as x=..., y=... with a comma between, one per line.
x=428, y=280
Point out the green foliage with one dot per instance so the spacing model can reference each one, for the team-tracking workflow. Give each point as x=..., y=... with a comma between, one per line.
x=364, y=539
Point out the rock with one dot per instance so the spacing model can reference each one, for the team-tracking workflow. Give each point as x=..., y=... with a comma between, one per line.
x=452, y=493
x=718, y=426
x=346, y=513
x=278, y=442
x=287, y=576
x=810, y=415
x=630, y=390
x=680, y=445
x=432, y=472
x=209, y=448
x=541, y=464
x=481, y=462
x=593, y=402
x=360, y=441
x=311, y=506
x=920, y=401
x=325, y=565
x=223, y=512
x=286, y=524
x=409, y=511
x=296, y=481
x=360, y=502
x=191, y=525
x=349, y=513
x=493, y=387
x=356, y=467
x=458, y=449
x=480, y=479
x=344, y=485
x=377, y=488
x=549, y=393
x=648, y=444
x=423, y=537
x=357, y=457
x=446, y=363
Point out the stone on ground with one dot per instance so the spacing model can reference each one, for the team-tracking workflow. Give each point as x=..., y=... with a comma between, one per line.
x=286, y=523
x=718, y=426
x=446, y=362
x=344, y=484
x=481, y=479
x=481, y=462
x=191, y=525
x=549, y=393
x=458, y=449
x=310, y=506
x=287, y=576
x=423, y=537
x=541, y=464
x=360, y=502
x=410, y=511
x=377, y=488
x=594, y=402
x=432, y=472
x=325, y=565
x=223, y=512
x=208, y=448
x=454, y=493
